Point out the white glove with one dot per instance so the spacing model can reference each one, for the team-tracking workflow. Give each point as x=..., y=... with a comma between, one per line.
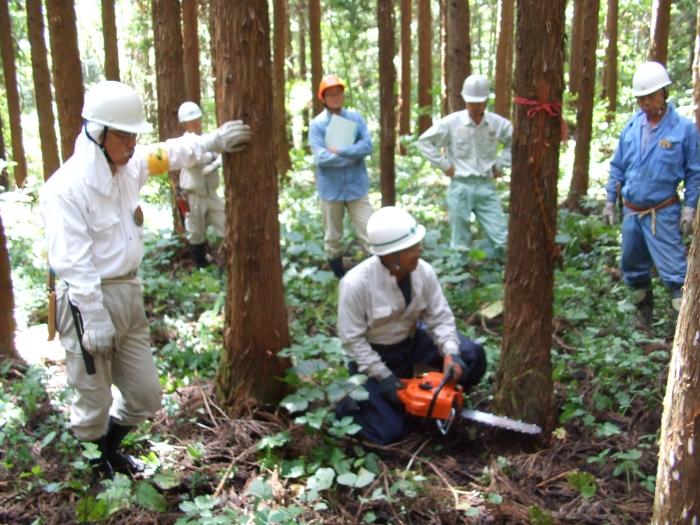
x=212, y=166
x=207, y=158
x=687, y=217
x=609, y=213
x=99, y=332
x=231, y=136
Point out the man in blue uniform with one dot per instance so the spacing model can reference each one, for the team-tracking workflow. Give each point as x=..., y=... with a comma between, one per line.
x=658, y=150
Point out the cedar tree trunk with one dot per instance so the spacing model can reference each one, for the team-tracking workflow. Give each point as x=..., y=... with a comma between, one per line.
x=315, y=44
x=109, y=33
x=281, y=19
x=387, y=101
x=7, y=301
x=660, y=25
x=610, y=70
x=504, y=58
x=405, y=100
x=458, y=52
x=425, y=67
x=190, y=49
x=575, y=46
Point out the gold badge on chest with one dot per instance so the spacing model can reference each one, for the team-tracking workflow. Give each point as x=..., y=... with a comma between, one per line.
x=138, y=216
x=664, y=144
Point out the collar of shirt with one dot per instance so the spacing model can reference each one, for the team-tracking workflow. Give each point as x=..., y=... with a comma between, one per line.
x=90, y=158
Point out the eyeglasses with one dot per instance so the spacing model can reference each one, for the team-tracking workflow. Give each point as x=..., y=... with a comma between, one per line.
x=123, y=135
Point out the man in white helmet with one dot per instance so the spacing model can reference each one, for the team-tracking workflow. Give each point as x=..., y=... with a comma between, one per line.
x=94, y=228
x=200, y=182
x=392, y=315
x=465, y=145
x=658, y=150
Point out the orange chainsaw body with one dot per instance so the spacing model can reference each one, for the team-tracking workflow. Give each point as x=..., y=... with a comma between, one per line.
x=420, y=392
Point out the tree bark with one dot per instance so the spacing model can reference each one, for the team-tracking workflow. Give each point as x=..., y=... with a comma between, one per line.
x=524, y=377
x=67, y=71
x=610, y=70
x=170, y=81
x=109, y=33
x=584, y=113
x=4, y=179
x=281, y=26
x=405, y=100
x=677, y=498
x=577, y=31
x=458, y=52
x=12, y=92
x=504, y=58
x=256, y=317
x=42, y=88
x=660, y=26
x=425, y=67
x=387, y=101
x=315, y=44
x=7, y=301
x=190, y=41
x=696, y=68
x=303, y=72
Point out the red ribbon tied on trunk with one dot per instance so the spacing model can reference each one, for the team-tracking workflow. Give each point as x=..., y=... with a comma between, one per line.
x=553, y=109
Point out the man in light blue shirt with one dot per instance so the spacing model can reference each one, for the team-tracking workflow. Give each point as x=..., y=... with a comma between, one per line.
x=341, y=173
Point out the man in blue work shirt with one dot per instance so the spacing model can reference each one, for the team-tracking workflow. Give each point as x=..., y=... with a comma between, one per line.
x=658, y=150
x=341, y=174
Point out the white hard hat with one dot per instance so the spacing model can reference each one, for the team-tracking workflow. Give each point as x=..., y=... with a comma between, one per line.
x=188, y=111
x=475, y=88
x=649, y=77
x=116, y=106
x=391, y=229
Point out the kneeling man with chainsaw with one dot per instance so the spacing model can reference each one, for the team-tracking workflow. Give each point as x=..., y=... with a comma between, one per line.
x=392, y=315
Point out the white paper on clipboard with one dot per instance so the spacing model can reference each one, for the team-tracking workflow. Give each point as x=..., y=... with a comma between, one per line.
x=340, y=132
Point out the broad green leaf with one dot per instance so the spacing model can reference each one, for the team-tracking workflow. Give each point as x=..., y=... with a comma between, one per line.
x=348, y=479
x=322, y=479
x=260, y=489
x=167, y=479
x=149, y=498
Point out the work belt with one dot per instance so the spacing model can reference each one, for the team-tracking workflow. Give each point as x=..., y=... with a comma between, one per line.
x=651, y=210
x=126, y=278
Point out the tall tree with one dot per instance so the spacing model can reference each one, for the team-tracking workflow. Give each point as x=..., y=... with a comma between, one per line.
x=170, y=80
x=696, y=68
x=303, y=72
x=7, y=301
x=4, y=179
x=405, y=100
x=42, y=88
x=677, y=498
x=504, y=58
x=190, y=41
x=67, y=72
x=109, y=33
x=387, y=101
x=425, y=67
x=256, y=317
x=458, y=52
x=281, y=19
x=12, y=92
x=610, y=70
x=315, y=45
x=577, y=33
x=660, y=26
x=584, y=111
x=524, y=378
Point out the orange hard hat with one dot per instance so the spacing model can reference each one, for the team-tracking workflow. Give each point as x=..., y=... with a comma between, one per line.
x=329, y=81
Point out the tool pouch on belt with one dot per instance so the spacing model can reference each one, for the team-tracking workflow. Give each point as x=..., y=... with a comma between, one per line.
x=182, y=204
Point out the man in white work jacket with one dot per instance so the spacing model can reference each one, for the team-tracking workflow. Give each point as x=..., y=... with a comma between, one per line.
x=94, y=229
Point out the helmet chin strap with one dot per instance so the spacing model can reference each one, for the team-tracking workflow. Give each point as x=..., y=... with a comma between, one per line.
x=100, y=144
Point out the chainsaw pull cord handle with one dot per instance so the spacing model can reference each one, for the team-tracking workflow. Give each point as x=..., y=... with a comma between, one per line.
x=450, y=373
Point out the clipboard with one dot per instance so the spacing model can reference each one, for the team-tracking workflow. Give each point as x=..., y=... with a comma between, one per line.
x=340, y=133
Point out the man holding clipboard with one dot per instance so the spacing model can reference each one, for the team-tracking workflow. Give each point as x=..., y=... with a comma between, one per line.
x=340, y=142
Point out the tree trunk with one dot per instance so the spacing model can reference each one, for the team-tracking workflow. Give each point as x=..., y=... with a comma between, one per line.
x=524, y=377
x=109, y=33
x=170, y=81
x=256, y=317
x=504, y=58
x=67, y=71
x=577, y=31
x=42, y=88
x=442, y=38
x=281, y=19
x=425, y=67
x=677, y=498
x=4, y=179
x=405, y=100
x=315, y=44
x=584, y=113
x=387, y=101
x=610, y=70
x=11, y=90
x=458, y=52
x=303, y=72
x=7, y=301
x=660, y=26
x=696, y=69
x=190, y=40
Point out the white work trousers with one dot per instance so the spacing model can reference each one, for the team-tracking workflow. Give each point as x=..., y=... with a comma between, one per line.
x=204, y=210
x=130, y=367
x=333, y=213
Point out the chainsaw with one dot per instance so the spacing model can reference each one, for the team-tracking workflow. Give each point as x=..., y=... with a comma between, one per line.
x=432, y=395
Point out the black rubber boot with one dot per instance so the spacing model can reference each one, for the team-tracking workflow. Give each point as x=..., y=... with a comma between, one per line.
x=123, y=463
x=101, y=467
x=198, y=252
x=337, y=266
x=643, y=299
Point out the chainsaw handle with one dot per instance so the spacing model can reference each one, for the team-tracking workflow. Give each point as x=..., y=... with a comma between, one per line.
x=449, y=375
